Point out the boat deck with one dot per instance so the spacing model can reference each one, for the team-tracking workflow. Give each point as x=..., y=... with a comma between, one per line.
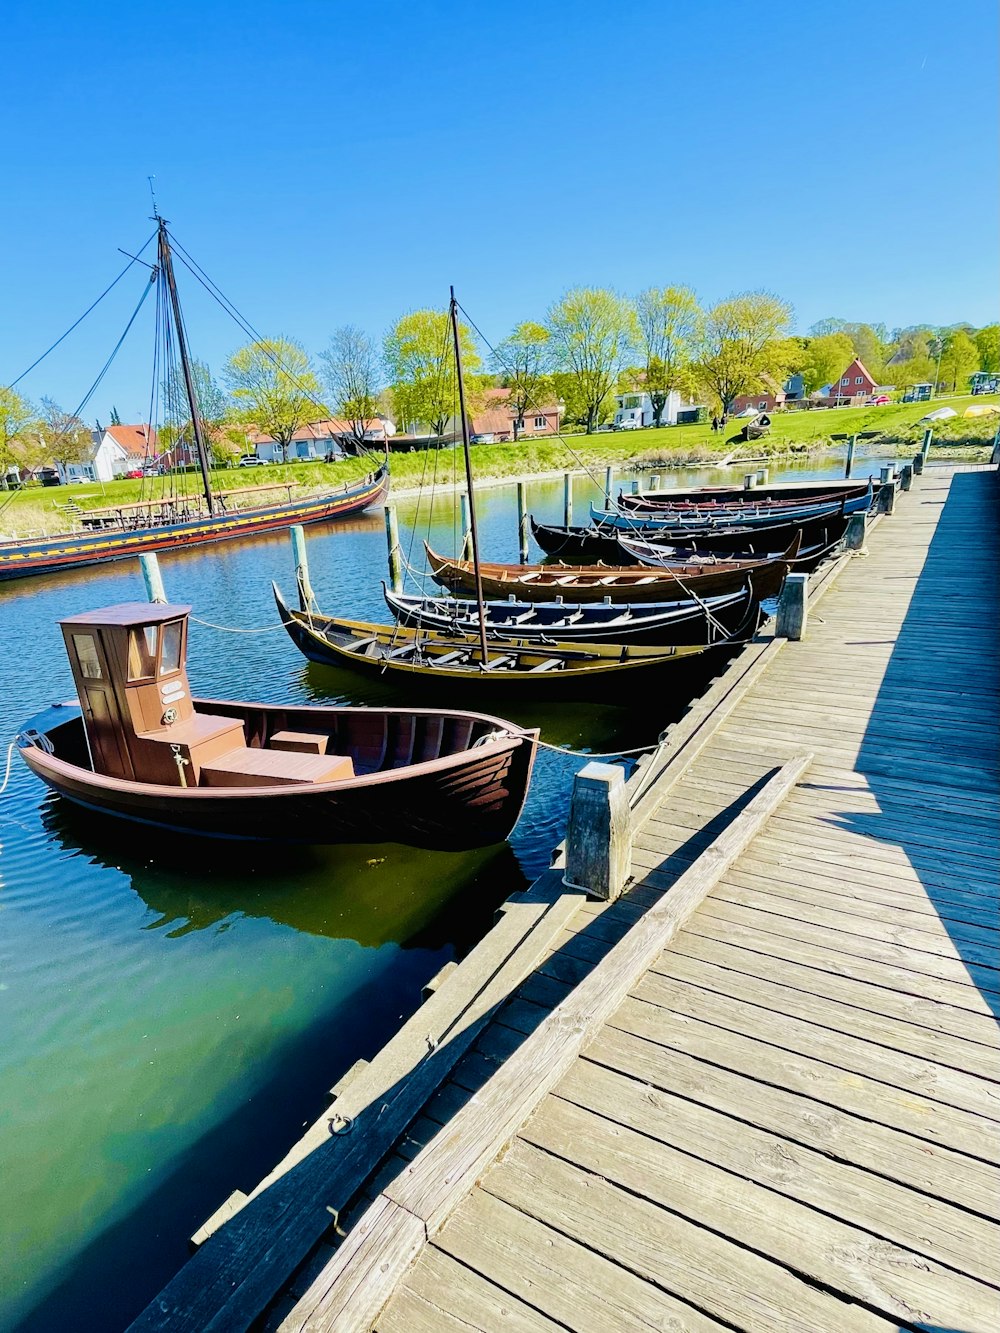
x=789, y=1118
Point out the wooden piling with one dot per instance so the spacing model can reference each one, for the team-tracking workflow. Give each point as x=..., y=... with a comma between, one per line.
x=918, y=464
x=887, y=493
x=522, y=522
x=598, y=839
x=609, y=481
x=750, y=481
x=925, y=448
x=793, y=608
x=654, y=482
x=851, y=442
x=152, y=577
x=854, y=537
x=906, y=476
x=395, y=554
x=568, y=499
x=762, y=476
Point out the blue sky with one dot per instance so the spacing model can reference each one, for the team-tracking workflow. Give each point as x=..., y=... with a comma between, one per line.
x=331, y=163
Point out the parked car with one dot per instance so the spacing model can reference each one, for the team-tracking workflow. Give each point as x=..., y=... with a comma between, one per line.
x=251, y=460
x=48, y=476
x=881, y=400
x=135, y=472
x=628, y=423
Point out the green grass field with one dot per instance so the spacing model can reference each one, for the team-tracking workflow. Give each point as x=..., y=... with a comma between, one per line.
x=37, y=510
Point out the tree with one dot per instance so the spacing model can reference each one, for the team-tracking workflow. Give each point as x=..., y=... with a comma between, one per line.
x=824, y=327
x=214, y=407
x=959, y=358
x=16, y=414
x=274, y=387
x=351, y=367
x=740, y=343
x=988, y=346
x=115, y=418
x=668, y=320
x=872, y=346
x=825, y=359
x=522, y=363
x=592, y=330
x=62, y=438
x=420, y=362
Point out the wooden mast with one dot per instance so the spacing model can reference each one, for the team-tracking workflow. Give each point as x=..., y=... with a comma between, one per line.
x=473, y=529
x=166, y=263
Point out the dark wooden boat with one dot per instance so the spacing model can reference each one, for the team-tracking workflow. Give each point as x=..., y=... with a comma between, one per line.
x=665, y=555
x=447, y=662
x=593, y=545
x=142, y=749
x=690, y=621
x=179, y=521
x=593, y=583
x=749, y=515
x=783, y=492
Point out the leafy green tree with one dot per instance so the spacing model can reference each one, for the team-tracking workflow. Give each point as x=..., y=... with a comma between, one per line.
x=591, y=331
x=824, y=327
x=214, y=406
x=824, y=359
x=988, y=347
x=741, y=341
x=522, y=364
x=959, y=358
x=115, y=418
x=62, y=438
x=420, y=362
x=16, y=415
x=274, y=387
x=668, y=320
x=351, y=373
x=872, y=346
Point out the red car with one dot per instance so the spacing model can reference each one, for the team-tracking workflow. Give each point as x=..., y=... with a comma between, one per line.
x=136, y=472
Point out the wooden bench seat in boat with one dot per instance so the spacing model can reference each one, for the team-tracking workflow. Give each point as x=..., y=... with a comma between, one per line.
x=199, y=739
x=301, y=742
x=274, y=768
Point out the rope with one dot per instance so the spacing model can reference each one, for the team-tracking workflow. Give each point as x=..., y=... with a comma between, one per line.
x=6, y=776
x=231, y=629
x=597, y=754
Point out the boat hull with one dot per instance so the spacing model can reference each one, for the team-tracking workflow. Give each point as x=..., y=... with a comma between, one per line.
x=454, y=803
x=26, y=558
x=581, y=545
x=745, y=516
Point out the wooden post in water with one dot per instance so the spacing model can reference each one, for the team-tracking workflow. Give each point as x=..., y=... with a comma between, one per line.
x=854, y=537
x=793, y=608
x=654, y=482
x=395, y=554
x=851, y=442
x=609, y=480
x=152, y=578
x=906, y=476
x=887, y=493
x=750, y=481
x=307, y=598
x=762, y=476
x=466, y=527
x=568, y=499
x=918, y=464
x=925, y=448
x=522, y=522
x=598, y=839
x=995, y=453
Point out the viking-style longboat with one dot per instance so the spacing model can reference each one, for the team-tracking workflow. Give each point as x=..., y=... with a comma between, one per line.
x=181, y=521
x=138, y=746
x=715, y=497
x=594, y=583
x=747, y=515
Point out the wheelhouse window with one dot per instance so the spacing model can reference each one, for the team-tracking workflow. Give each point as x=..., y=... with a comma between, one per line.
x=142, y=653
x=170, y=651
x=86, y=655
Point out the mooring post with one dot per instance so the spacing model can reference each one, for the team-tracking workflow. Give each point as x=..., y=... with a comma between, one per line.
x=995, y=453
x=466, y=527
x=762, y=476
x=152, y=578
x=393, y=548
x=750, y=481
x=793, y=608
x=906, y=476
x=568, y=498
x=654, y=482
x=925, y=448
x=918, y=464
x=598, y=839
x=854, y=537
x=522, y=522
x=609, y=478
x=887, y=492
x=307, y=598
x=851, y=442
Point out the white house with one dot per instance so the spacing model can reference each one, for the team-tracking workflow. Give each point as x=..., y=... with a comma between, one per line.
x=319, y=439
x=639, y=407
x=114, y=451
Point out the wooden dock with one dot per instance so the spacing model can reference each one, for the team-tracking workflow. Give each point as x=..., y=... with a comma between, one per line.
x=761, y=1090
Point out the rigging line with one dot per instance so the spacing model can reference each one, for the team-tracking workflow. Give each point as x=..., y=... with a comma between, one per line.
x=244, y=324
x=132, y=260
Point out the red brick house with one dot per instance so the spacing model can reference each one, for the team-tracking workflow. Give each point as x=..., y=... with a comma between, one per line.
x=771, y=397
x=496, y=420
x=855, y=382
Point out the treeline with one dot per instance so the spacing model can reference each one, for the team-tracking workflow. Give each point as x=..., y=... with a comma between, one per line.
x=592, y=344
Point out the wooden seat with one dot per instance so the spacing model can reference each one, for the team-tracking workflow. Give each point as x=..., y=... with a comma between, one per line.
x=274, y=768
x=300, y=742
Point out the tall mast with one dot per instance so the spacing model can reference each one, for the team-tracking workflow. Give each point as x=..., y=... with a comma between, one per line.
x=473, y=529
x=167, y=264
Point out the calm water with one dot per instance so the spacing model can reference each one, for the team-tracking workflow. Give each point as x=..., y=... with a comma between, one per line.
x=172, y=1013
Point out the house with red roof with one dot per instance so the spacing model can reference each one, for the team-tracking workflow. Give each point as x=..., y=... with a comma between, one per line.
x=114, y=451
x=494, y=423
x=319, y=439
x=854, y=383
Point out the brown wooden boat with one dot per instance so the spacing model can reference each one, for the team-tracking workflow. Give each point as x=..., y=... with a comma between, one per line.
x=629, y=583
x=141, y=748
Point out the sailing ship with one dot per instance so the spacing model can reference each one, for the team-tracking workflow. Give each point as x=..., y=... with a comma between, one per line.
x=138, y=746
x=174, y=522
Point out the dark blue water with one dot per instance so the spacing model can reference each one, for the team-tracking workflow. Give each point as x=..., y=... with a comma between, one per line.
x=172, y=1014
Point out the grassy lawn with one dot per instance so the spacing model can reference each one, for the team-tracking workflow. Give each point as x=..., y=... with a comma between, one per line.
x=36, y=509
